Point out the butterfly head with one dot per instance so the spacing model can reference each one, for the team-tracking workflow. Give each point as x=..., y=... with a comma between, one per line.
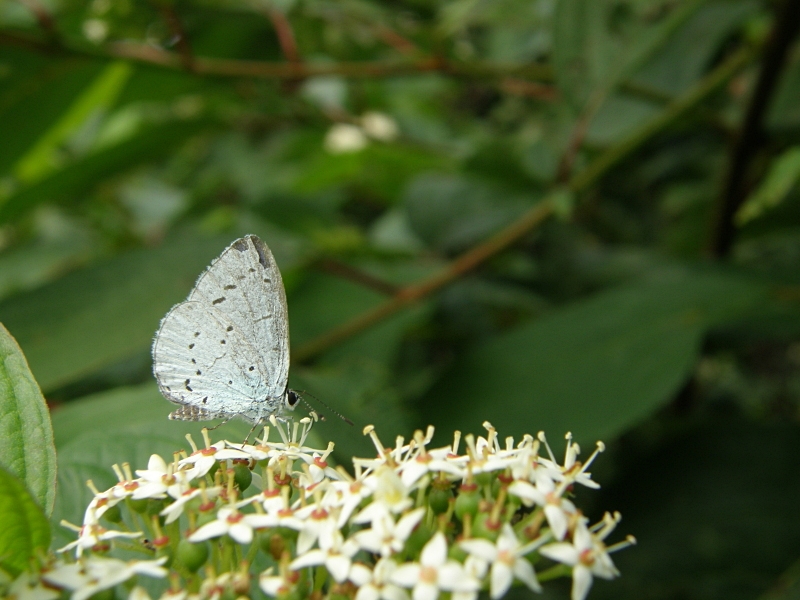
x=290, y=399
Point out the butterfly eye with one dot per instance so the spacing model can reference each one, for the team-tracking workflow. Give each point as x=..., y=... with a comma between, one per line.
x=292, y=398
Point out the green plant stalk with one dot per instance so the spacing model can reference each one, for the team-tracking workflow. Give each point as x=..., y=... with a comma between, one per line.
x=671, y=113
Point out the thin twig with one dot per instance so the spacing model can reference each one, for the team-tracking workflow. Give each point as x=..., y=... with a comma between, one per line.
x=395, y=40
x=529, y=89
x=44, y=19
x=340, y=269
x=221, y=67
x=283, y=29
x=412, y=293
x=681, y=105
x=750, y=138
x=179, y=34
x=638, y=58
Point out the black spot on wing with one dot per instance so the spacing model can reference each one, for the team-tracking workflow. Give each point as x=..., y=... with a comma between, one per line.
x=261, y=248
x=230, y=328
x=229, y=287
x=218, y=300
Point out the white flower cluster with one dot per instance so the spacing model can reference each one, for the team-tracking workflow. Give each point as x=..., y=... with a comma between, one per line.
x=410, y=523
x=344, y=138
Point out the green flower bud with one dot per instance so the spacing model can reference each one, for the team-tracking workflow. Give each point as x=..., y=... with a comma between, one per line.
x=439, y=499
x=467, y=501
x=192, y=556
x=484, y=527
x=242, y=475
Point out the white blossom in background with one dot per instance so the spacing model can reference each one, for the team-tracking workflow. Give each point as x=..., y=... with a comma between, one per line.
x=95, y=30
x=96, y=573
x=379, y=126
x=344, y=138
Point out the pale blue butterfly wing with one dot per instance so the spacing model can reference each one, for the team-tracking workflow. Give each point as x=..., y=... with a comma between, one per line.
x=224, y=352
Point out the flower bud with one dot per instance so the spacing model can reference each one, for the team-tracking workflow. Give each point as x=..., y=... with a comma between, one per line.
x=467, y=500
x=242, y=475
x=439, y=499
x=192, y=556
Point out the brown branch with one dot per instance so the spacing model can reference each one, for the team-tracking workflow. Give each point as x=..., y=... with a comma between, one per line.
x=751, y=137
x=283, y=29
x=578, y=134
x=395, y=40
x=529, y=89
x=43, y=18
x=340, y=269
x=179, y=33
x=221, y=67
x=412, y=293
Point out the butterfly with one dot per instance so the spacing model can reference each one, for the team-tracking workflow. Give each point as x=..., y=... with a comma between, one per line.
x=224, y=351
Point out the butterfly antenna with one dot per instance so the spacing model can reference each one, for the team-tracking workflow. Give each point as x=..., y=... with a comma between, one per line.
x=338, y=414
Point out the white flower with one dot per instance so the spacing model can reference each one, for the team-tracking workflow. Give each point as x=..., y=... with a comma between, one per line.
x=174, y=510
x=202, y=460
x=506, y=560
x=587, y=555
x=230, y=521
x=90, y=536
x=379, y=126
x=345, y=496
x=434, y=572
x=96, y=573
x=272, y=585
x=556, y=508
x=159, y=479
x=386, y=537
x=95, y=30
x=138, y=593
x=336, y=555
x=374, y=584
x=390, y=494
x=26, y=587
x=344, y=138
x=433, y=461
x=319, y=526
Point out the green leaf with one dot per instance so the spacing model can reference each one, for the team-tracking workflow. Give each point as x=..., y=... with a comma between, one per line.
x=595, y=367
x=82, y=175
x=452, y=213
x=98, y=316
x=34, y=94
x=26, y=437
x=23, y=526
x=782, y=177
x=98, y=96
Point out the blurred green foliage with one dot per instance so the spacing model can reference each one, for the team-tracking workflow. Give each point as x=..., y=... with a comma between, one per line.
x=504, y=211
